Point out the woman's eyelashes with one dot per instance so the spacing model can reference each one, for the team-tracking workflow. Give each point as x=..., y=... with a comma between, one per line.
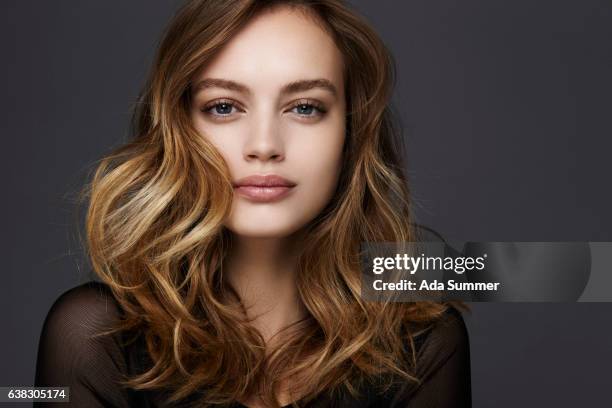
x=224, y=109
x=308, y=108
x=221, y=108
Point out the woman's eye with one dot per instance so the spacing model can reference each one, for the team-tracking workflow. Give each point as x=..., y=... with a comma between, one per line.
x=220, y=108
x=224, y=109
x=308, y=109
x=304, y=109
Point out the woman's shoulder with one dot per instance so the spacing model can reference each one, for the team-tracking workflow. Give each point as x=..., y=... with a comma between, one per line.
x=75, y=352
x=451, y=324
x=88, y=292
x=441, y=364
x=75, y=321
x=448, y=329
x=86, y=305
x=446, y=338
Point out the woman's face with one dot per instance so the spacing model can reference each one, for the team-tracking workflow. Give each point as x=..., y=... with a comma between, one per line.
x=272, y=102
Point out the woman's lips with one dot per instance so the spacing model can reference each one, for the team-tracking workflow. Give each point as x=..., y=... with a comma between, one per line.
x=263, y=194
x=264, y=188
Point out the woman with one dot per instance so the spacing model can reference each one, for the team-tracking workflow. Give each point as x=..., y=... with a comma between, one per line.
x=227, y=232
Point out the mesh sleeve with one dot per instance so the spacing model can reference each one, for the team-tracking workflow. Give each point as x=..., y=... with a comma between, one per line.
x=443, y=365
x=69, y=356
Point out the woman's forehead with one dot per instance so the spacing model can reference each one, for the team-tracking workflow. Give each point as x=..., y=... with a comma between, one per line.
x=275, y=48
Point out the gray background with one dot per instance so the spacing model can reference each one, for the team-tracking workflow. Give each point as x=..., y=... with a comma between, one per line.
x=506, y=108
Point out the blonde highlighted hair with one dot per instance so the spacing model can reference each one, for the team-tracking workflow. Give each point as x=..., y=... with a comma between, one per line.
x=155, y=230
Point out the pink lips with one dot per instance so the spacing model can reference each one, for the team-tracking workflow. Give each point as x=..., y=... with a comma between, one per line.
x=264, y=188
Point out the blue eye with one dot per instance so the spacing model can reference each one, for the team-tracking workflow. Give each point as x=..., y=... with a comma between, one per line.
x=223, y=108
x=220, y=108
x=308, y=109
x=304, y=109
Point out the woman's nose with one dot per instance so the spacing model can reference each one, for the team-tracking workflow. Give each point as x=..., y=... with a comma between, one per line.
x=264, y=141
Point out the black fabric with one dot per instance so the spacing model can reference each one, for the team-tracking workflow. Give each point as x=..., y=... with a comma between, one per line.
x=92, y=367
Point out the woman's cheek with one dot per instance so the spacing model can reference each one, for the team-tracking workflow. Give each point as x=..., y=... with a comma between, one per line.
x=320, y=168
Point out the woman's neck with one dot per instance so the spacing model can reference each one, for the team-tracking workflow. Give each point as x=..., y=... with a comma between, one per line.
x=263, y=273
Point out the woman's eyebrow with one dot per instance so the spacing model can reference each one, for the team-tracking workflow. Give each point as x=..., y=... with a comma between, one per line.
x=306, y=84
x=220, y=83
x=292, y=87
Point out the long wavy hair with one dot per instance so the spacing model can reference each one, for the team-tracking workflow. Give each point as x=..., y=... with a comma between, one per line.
x=155, y=233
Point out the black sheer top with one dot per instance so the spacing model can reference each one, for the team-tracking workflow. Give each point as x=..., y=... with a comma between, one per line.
x=91, y=367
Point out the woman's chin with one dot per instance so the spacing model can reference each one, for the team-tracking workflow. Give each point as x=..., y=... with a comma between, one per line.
x=255, y=229
x=269, y=221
